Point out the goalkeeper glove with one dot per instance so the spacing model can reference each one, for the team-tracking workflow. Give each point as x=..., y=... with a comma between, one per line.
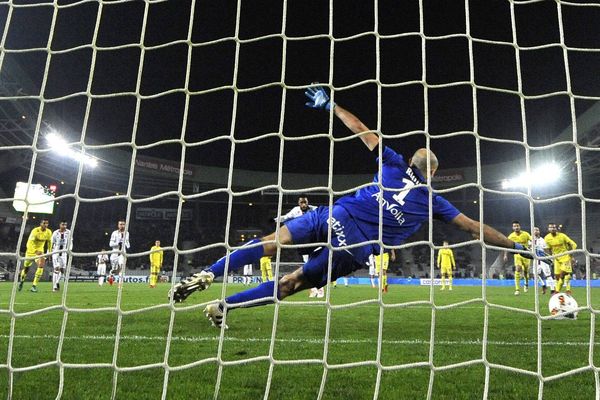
x=519, y=246
x=318, y=99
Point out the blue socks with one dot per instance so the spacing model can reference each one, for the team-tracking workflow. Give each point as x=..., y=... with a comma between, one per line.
x=259, y=292
x=238, y=258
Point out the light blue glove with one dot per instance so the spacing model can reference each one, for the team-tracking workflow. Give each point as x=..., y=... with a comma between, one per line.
x=318, y=99
x=519, y=246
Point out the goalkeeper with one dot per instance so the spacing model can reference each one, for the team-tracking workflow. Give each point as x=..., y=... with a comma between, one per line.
x=354, y=219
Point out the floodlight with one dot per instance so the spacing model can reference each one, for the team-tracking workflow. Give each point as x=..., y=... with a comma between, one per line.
x=92, y=162
x=57, y=143
x=545, y=174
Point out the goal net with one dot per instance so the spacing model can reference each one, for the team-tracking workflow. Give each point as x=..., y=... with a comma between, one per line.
x=186, y=120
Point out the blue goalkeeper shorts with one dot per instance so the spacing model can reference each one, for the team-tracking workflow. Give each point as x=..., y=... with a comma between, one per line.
x=313, y=226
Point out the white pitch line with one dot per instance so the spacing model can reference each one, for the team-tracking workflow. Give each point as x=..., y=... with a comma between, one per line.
x=125, y=305
x=196, y=339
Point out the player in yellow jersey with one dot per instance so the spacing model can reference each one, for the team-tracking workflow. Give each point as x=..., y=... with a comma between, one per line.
x=521, y=263
x=39, y=238
x=382, y=262
x=446, y=263
x=156, y=261
x=558, y=243
x=265, y=269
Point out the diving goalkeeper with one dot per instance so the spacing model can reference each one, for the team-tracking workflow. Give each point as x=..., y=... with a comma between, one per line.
x=354, y=219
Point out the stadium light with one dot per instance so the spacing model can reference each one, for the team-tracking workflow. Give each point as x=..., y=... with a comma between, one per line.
x=57, y=143
x=544, y=175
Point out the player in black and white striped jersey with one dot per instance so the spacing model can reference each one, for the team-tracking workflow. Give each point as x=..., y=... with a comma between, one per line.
x=61, y=242
x=542, y=266
x=101, y=262
x=119, y=242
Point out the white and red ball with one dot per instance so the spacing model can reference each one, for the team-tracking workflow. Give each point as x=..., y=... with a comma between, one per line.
x=563, y=305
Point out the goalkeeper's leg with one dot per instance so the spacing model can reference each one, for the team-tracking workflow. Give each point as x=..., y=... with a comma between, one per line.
x=248, y=254
x=261, y=295
x=313, y=273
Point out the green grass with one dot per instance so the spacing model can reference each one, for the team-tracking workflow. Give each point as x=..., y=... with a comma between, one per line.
x=89, y=337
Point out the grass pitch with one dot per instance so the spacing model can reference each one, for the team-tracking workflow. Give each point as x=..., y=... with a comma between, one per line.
x=194, y=350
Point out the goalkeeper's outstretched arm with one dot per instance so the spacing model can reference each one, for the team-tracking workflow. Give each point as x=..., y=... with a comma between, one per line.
x=369, y=138
x=490, y=235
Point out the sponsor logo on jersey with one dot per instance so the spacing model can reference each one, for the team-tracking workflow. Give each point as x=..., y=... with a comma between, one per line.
x=392, y=208
x=338, y=231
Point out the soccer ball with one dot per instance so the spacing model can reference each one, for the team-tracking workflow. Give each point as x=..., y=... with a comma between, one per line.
x=564, y=305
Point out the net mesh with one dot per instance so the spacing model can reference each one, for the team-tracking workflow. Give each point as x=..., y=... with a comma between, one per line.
x=36, y=148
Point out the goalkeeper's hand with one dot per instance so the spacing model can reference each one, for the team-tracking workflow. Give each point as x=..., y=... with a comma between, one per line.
x=519, y=246
x=318, y=99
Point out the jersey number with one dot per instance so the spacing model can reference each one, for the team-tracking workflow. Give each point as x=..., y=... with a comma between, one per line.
x=399, y=197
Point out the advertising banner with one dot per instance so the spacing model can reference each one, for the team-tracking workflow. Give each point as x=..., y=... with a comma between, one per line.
x=167, y=214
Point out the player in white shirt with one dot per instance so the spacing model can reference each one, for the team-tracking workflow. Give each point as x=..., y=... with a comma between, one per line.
x=247, y=274
x=119, y=243
x=372, y=271
x=542, y=267
x=101, y=262
x=302, y=208
x=61, y=242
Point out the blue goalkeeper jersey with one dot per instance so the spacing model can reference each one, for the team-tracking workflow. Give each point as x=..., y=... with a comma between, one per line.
x=403, y=211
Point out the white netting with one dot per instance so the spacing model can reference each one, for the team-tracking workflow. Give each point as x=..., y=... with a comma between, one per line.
x=36, y=148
